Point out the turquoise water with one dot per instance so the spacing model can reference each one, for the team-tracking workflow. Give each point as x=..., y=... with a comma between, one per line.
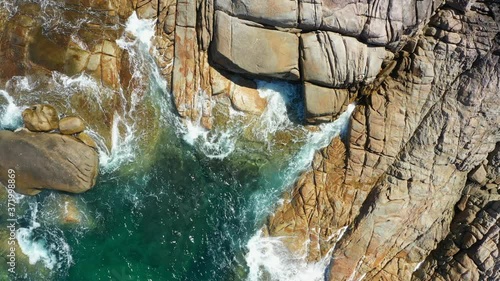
x=188, y=218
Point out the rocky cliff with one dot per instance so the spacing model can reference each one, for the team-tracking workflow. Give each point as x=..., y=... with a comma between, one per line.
x=412, y=191
x=418, y=161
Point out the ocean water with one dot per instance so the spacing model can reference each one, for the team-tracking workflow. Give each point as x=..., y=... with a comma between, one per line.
x=195, y=213
x=189, y=217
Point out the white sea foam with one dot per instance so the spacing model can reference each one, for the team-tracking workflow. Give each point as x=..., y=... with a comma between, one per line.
x=148, y=83
x=317, y=140
x=215, y=144
x=301, y=161
x=142, y=29
x=51, y=249
x=269, y=259
x=220, y=143
x=10, y=6
x=36, y=250
x=275, y=117
x=122, y=144
x=10, y=113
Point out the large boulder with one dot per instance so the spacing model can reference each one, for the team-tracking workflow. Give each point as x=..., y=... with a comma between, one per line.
x=47, y=161
x=71, y=125
x=247, y=49
x=41, y=118
x=332, y=60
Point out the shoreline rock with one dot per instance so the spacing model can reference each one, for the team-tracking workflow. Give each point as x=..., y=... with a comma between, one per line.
x=41, y=118
x=47, y=161
x=71, y=125
x=43, y=160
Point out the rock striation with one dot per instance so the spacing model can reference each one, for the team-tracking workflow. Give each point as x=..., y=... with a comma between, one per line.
x=413, y=144
x=411, y=192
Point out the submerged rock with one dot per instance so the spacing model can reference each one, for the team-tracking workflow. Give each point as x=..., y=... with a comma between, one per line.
x=47, y=161
x=41, y=118
x=71, y=125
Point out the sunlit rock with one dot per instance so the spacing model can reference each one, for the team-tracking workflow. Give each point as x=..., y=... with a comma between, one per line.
x=71, y=125
x=41, y=118
x=47, y=161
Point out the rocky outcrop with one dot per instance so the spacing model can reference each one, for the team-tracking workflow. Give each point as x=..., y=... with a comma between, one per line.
x=75, y=45
x=324, y=45
x=47, y=161
x=87, y=43
x=42, y=160
x=410, y=149
x=71, y=125
x=41, y=118
x=411, y=191
x=329, y=46
x=470, y=250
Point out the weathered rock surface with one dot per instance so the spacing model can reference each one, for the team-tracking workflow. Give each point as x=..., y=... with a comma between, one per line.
x=242, y=48
x=71, y=125
x=325, y=43
x=41, y=118
x=324, y=104
x=416, y=178
x=470, y=250
x=332, y=60
x=377, y=22
x=409, y=152
x=76, y=42
x=47, y=161
x=245, y=97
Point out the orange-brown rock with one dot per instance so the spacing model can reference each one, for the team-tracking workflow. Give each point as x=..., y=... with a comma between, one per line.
x=410, y=149
x=41, y=118
x=71, y=125
x=86, y=139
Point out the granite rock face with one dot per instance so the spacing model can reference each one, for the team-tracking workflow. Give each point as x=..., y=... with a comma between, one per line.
x=242, y=48
x=412, y=146
x=77, y=42
x=411, y=193
x=329, y=44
